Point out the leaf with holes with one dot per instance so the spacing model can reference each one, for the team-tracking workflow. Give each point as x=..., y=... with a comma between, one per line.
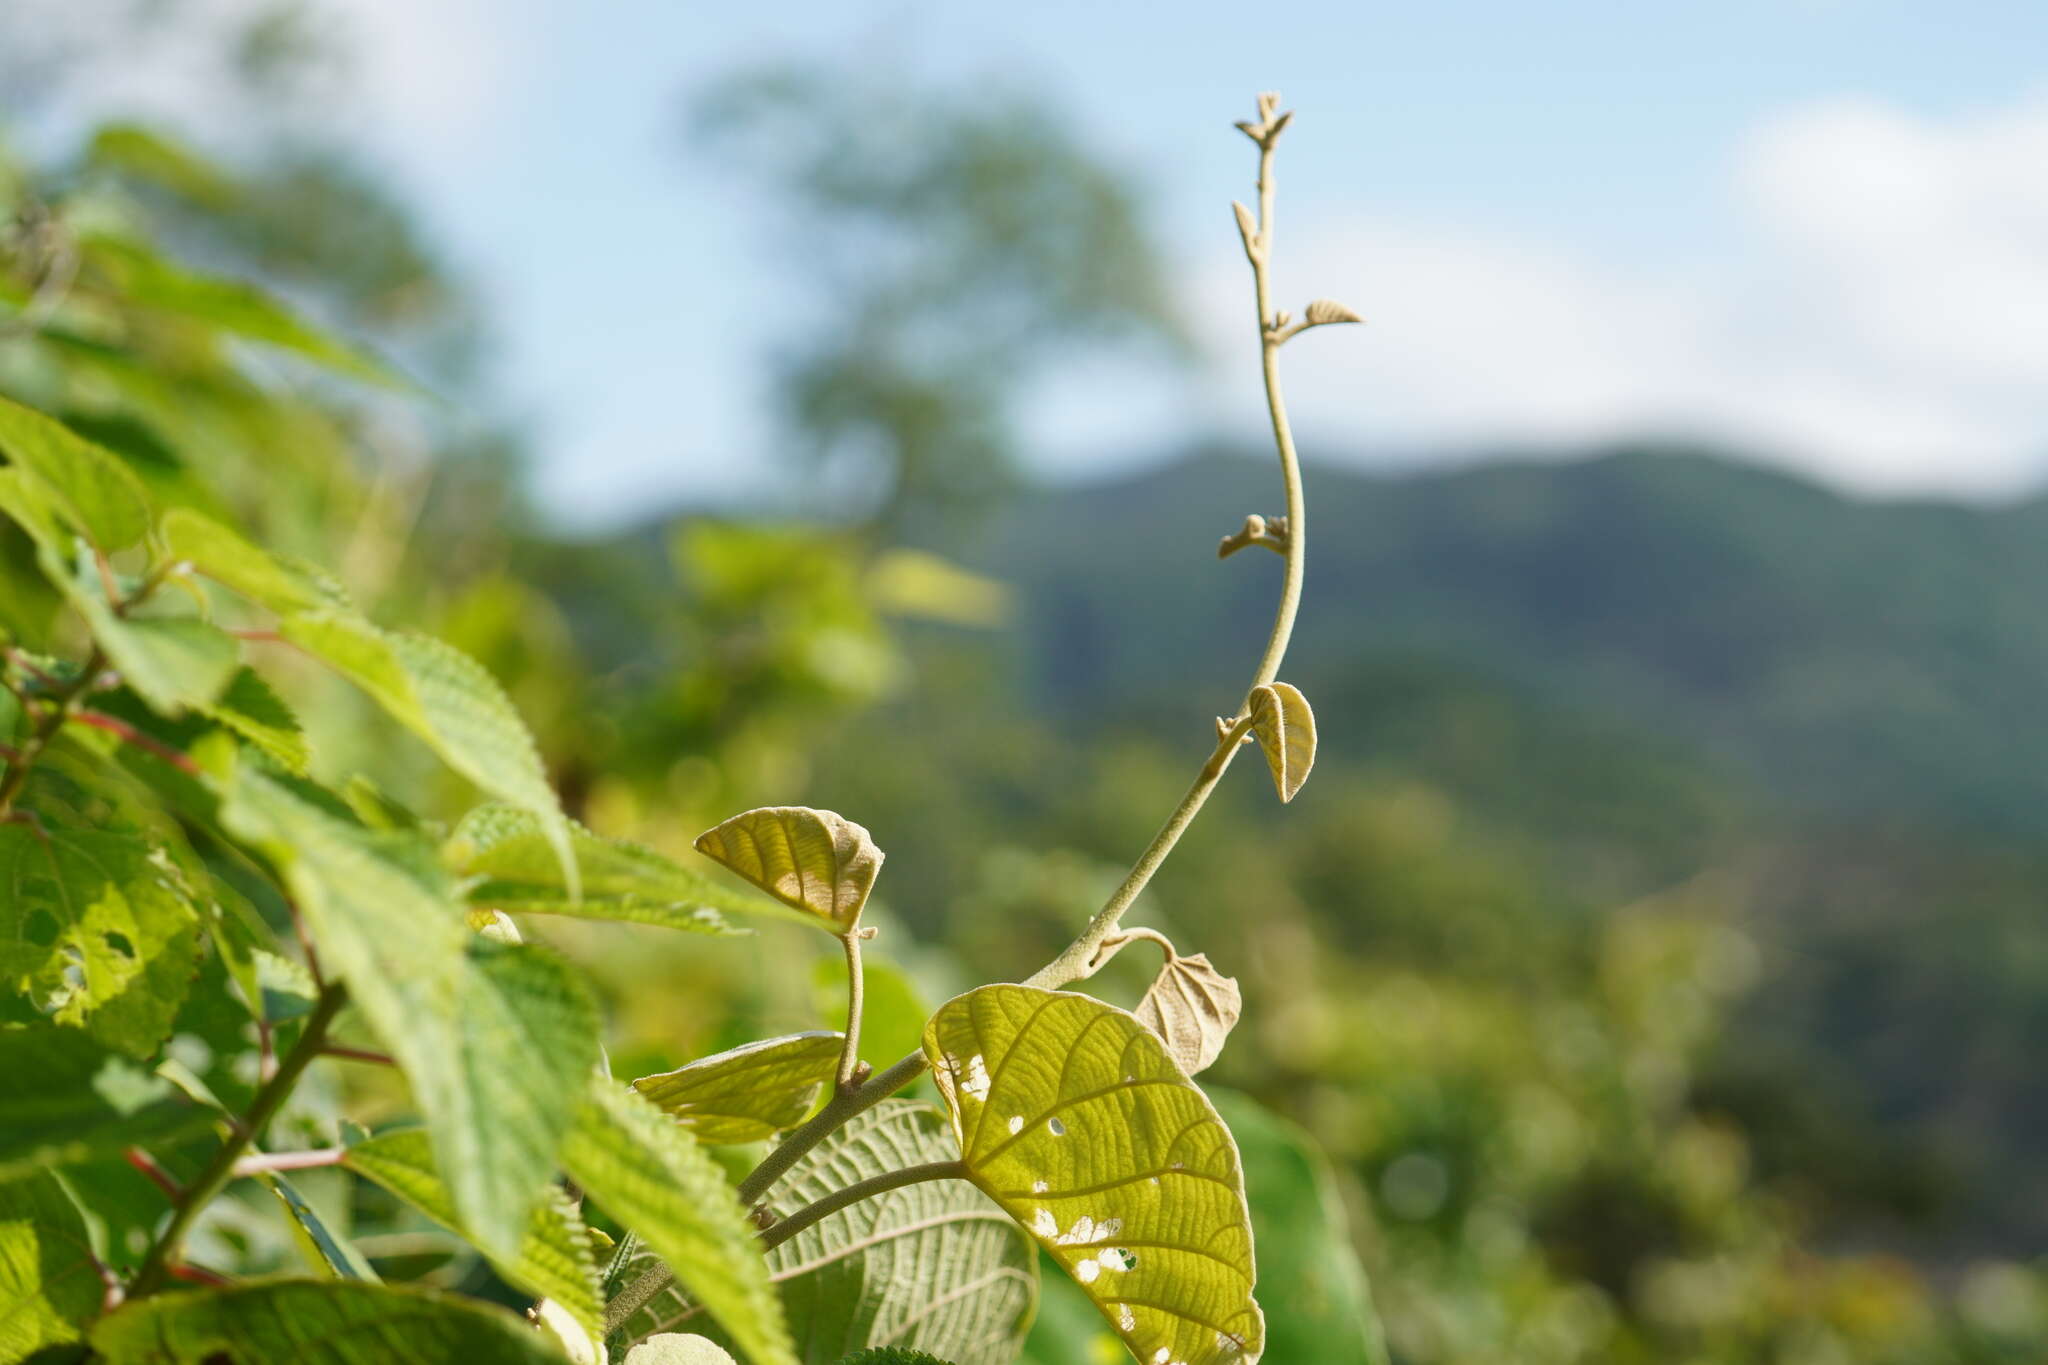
x=491, y=1036
x=88, y=486
x=752, y=1092
x=330, y=1255
x=555, y=1259
x=508, y=864
x=934, y=1265
x=67, y=1100
x=50, y=1285
x=810, y=860
x=1286, y=731
x=647, y=1173
x=1192, y=1007
x=316, y=1322
x=1072, y=1117
x=98, y=931
x=450, y=701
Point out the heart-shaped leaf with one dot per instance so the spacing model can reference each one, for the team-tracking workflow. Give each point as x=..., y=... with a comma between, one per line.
x=933, y=1266
x=810, y=860
x=1072, y=1117
x=1286, y=731
x=749, y=1093
x=1192, y=1007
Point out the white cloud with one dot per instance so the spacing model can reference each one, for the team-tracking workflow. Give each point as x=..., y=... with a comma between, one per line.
x=1884, y=324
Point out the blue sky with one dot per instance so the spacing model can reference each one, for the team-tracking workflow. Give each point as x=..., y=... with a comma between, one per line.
x=1817, y=228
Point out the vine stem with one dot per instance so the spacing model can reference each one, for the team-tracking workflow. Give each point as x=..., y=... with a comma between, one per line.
x=1098, y=941
x=849, y=1053
x=778, y=1233
x=158, y=1265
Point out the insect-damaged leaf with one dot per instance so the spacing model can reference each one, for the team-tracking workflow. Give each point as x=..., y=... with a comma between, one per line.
x=1071, y=1116
x=555, y=1260
x=1192, y=1007
x=316, y=1322
x=749, y=1093
x=1286, y=731
x=933, y=1266
x=811, y=860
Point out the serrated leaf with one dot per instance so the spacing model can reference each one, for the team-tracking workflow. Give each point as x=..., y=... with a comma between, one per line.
x=1192, y=1007
x=1322, y=312
x=513, y=867
x=893, y=1355
x=67, y=1099
x=149, y=281
x=450, y=701
x=933, y=1265
x=675, y=1348
x=96, y=931
x=335, y=1322
x=50, y=1285
x=752, y=1092
x=1071, y=1116
x=96, y=493
x=649, y=1175
x=491, y=1036
x=555, y=1258
x=224, y=556
x=256, y=714
x=1319, y=1307
x=330, y=1256
x=1286, y=731
x=810, y=860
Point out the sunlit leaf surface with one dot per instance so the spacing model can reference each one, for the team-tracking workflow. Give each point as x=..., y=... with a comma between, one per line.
x=811, y=860
x=1286, y=731
x=749, y=1093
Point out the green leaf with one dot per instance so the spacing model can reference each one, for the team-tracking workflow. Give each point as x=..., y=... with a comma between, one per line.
x=1071, y=1116
x=316, y=1322
x=933, y=1265
x=491, y=1036
x=50, y=1285
x=330, y=1256
x=259, y=716
x=1192, y=1007
x=555, y=1259
x=652, y=1178
x=147, y=280
x=224, y=556
x=674, y=1348
x=97, y=930
x=512, y=866
x=96, y=493
x=132, y=149
x=810, y=860
x=752, y=1092
x=447, y=699
x=1318, y=1305
x=892, y=1355
x=1286, y=731
x=67, y=1100
x=173, y=662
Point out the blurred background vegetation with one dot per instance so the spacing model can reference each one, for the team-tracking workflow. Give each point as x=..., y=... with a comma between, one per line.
x=1654, y=954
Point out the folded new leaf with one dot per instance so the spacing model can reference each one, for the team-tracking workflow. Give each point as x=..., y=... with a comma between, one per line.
x=1286, y=730
x=811, y=860
x=1192, y=1007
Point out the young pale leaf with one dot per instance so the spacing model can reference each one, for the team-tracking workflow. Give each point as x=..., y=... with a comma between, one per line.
x=259, y=716
x=649, y=1175
x=752, y=1092
x=50, y=1285
x=98, y=931
x=1286, y=731
x=316, y=1322
x=674, y=1348
x=67, y=1100
x=555, y=1259
x=1071, y=1116
x=491, y=1036
x=243, y=568
x=810, y=860
x=1322, y=312
x=934, y=1265
x=329, y=1255
x=450, y=701
x=90, y=486
x=1312, y=1284
x=1192, y=1007
x=504, y=854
